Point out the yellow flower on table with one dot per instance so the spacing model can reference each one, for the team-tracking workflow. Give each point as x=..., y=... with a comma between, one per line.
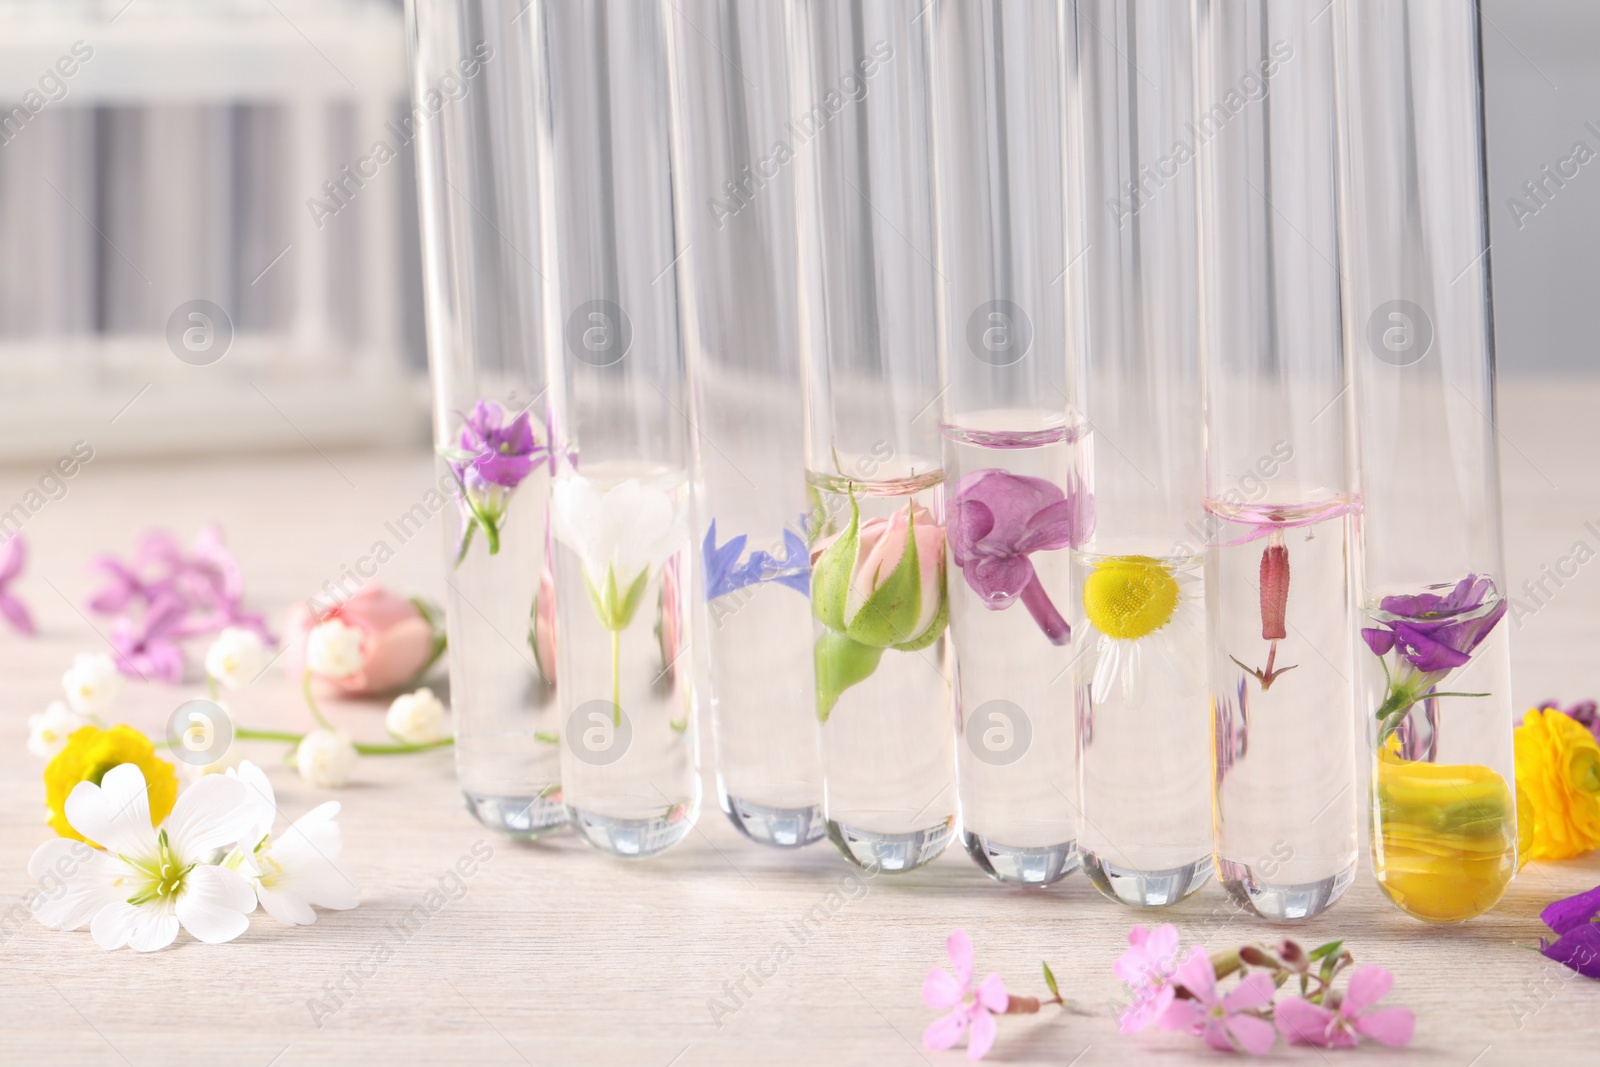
x=89, y=754
x=1558, y=775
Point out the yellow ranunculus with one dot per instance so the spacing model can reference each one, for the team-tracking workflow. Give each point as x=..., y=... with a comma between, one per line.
x=1558, y=774
x=89, y=754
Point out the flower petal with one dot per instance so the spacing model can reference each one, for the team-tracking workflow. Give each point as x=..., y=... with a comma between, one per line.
x=1254, y=1035
x=116, y=813
x=215, y=903
x=980, y=1038
x=73, y=880
x=1181, y=1015
x=262, y=801
x=212, y=813
x=1368, y=985
x=941, y=991
x=1579, y=950
x=959, y=946
x=1573, y=912
x=991, y=993
x=1391, y=1026
x=144, y=928
x=1197, y=975
x=1380, y=641
x=946, y=1030
x=1302, y=1022
x=1254, y=991
x=285, y=905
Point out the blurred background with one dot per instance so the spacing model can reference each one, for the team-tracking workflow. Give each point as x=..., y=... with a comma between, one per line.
x=155, y=153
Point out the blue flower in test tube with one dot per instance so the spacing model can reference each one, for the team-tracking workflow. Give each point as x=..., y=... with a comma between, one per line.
x=725, y=574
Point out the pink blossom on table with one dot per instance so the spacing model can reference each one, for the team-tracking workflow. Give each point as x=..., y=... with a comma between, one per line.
x=398, y=641
x=1230, y=1022
x=13, y=557
x=970, y=1009
x=148, y=647
x=1147, y=968
x=1338, y=1025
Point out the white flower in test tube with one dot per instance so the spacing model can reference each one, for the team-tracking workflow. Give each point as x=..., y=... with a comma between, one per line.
x=333, y=649
x=235, y=657
x=297, y=870
x=415, y=718
x=92, y=683
x=622, y=535
x=48, y=731
x=148, y=882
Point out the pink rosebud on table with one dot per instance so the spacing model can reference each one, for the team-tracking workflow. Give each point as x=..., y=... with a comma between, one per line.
x=398, y=641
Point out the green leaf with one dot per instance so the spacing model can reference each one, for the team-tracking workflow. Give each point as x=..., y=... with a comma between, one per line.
x=840, y=663
x=630, y=602
x=1050, y=981
x=1329, y=949
x=830, y=578
x=891, y=611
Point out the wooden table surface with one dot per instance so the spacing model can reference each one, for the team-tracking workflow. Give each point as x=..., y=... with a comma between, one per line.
x=556, y=954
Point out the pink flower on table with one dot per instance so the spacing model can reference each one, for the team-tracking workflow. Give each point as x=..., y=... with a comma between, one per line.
x=1147, y=968
x=1305, y=1023
x=1227, y=1023
x=971, y=1009
x=397, y=641
x=148, y=648
x=13, y=556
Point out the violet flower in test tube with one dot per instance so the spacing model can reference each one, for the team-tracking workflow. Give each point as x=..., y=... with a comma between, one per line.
x=494, y=458
x=998, y=520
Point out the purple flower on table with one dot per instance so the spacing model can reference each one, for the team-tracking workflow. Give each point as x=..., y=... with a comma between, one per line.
x=1577, y=941
x=998, y=520
x=13, y=557
x=1431, y=636
x=494, y=457
x=725, y=574
x=148, y=648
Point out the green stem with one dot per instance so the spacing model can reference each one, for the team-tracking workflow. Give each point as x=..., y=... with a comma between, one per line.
x=268, y=735
x=616, y=677
x=466, y=540
x=311, y=702
x=492, y=533
x=389, y=750
x=211, y=688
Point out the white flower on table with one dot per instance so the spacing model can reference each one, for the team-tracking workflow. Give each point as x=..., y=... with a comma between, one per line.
x=297, y=870
x=92, y=683
x=621, y=535
x=148, y=882
x=415, y=718
x=325, y=758
x=333, y=649
x=48, y=731
x=235, y=657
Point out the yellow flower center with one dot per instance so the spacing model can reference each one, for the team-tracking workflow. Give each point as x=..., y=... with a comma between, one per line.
x=1129, y=597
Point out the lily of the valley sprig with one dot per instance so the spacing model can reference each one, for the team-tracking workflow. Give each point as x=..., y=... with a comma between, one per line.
x=878, y=585
x=623, y=536
x=494, y=457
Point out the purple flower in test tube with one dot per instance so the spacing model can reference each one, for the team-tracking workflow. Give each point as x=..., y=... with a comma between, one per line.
x=998, y=520
x=1432, y=635
x=494, y=457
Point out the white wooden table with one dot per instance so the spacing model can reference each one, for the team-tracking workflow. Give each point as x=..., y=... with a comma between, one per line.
x=555, y=954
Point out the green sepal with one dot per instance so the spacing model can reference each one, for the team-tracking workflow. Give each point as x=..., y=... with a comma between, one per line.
x=934, y=630
x=1050, y=980
x=893, y=608
x=830, y=576
x=840, y=663
x=616, y=610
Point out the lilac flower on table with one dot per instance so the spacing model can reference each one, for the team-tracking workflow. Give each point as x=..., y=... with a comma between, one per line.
x=493, y=459
x=725, y=574
x=998, y=520
x=148, y=648
x=1431, y=636
x=1576, y=924
x=13, y=557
